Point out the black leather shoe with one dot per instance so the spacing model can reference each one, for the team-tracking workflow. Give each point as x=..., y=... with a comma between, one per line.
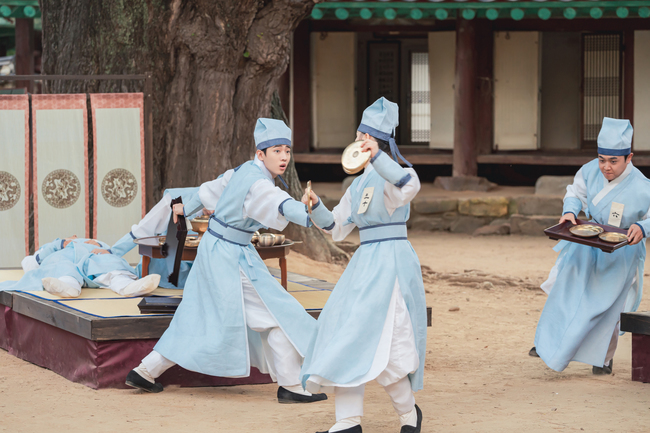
x=286, y=396
x=533, y=352
x=603, y=369
x=134, y=380
x=355, y=429
x=410, y=428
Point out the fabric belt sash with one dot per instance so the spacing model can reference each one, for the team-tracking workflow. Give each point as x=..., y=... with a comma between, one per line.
x=382, y=233
x=228, y=233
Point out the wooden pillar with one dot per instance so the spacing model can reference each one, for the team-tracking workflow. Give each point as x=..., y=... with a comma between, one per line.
x=301, y=88
x=628, y=76
x=485, y=106
x=24, y=50
x=464, y=160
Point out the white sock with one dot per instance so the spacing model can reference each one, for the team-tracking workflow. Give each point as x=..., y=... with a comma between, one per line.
x=297, y=389
x=409, y=418
x=345, y=423
x=65, y=287
x=139, y=287
x=142, y=371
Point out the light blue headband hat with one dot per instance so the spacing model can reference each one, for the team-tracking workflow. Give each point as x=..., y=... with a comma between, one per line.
x=615, y=137
x=271, y=132
x=380, y=120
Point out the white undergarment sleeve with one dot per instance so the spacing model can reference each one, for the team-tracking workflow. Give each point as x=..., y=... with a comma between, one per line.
x=342, y=212
x=262, y=204
x=395, y=197
x=156, y=364
x=29, y=263
x=210, y=192
x=578, y=189
x=155, y=221
x=348, y=402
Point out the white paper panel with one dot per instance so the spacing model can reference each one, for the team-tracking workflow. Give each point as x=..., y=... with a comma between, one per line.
x=516, y=90
x=333, y=93
x=12, y=186
x=118, y=173
x=442, y=71
x=641, y=90
x=60, y=181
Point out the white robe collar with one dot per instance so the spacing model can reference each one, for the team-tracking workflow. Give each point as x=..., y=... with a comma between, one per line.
x=262, y=167
x=609, y=186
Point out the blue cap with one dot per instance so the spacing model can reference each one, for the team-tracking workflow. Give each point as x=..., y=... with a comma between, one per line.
x=379, y=121
x=615, y=137
x=271, y=132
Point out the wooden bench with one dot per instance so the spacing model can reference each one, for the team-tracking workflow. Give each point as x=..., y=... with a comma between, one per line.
x=639, y=325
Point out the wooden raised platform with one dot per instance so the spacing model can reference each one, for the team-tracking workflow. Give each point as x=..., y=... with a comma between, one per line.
x=639, y=325
x=99, y=351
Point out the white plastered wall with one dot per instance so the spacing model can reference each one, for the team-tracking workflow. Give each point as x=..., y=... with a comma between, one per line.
x=442, y=71
x=641, y=90
x=333, y=72
x=516, y=90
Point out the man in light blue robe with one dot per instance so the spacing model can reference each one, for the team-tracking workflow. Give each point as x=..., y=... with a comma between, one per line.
x=63, y=266
x=588, y=288
x=235, y=315
x=374, y=324
x=155, y=223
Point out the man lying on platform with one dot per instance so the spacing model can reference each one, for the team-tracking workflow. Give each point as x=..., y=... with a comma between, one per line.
x=63, y=266
x=155, y=223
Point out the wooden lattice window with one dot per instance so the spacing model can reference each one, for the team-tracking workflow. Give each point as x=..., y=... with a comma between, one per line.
x=601, y=83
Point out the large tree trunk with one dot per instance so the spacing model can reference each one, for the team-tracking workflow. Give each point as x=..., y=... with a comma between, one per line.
x=315, y=245
x=215, y=65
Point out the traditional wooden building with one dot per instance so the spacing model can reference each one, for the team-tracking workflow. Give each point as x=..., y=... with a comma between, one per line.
x=478, y=82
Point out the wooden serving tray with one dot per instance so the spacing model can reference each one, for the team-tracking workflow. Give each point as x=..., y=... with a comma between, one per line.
x=561, y=232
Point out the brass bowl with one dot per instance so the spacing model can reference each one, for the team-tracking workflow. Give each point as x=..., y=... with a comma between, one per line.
x=613, y=237
x=353, y=159
x=256, y=238
x=266, y=240
x=200, y=224
x=279, y=239
x=586, y=230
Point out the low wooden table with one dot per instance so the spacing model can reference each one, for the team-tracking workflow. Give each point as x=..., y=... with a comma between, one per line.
x=639, y=325
x=150, y=248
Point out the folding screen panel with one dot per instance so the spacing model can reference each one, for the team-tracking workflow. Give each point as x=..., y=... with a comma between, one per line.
x=60, y=167
x=119, y=182
x=14, y=179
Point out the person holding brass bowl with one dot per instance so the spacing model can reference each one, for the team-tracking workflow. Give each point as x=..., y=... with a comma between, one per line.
x=588, y=288
x=155, y=223
x=234, y=314
x=373, y=327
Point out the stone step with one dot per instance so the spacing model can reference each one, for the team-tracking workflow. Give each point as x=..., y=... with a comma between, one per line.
x=552, y=185
x=531, y=225
x=537, y=205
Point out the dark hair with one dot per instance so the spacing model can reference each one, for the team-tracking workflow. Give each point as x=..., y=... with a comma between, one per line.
x=384, y=146
x=270, y=147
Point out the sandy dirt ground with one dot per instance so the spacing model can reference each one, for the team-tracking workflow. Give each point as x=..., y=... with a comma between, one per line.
x=478, y=378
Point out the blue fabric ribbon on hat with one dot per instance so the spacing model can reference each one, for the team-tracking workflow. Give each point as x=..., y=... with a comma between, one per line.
x=386, y=137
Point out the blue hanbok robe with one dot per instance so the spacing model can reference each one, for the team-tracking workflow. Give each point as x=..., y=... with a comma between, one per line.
x=208, y=333
x=592, y=287
x=75, y=260
x=350, y=327
x=155, y=224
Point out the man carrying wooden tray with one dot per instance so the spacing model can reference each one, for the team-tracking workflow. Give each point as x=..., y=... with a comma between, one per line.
x=588, y=288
